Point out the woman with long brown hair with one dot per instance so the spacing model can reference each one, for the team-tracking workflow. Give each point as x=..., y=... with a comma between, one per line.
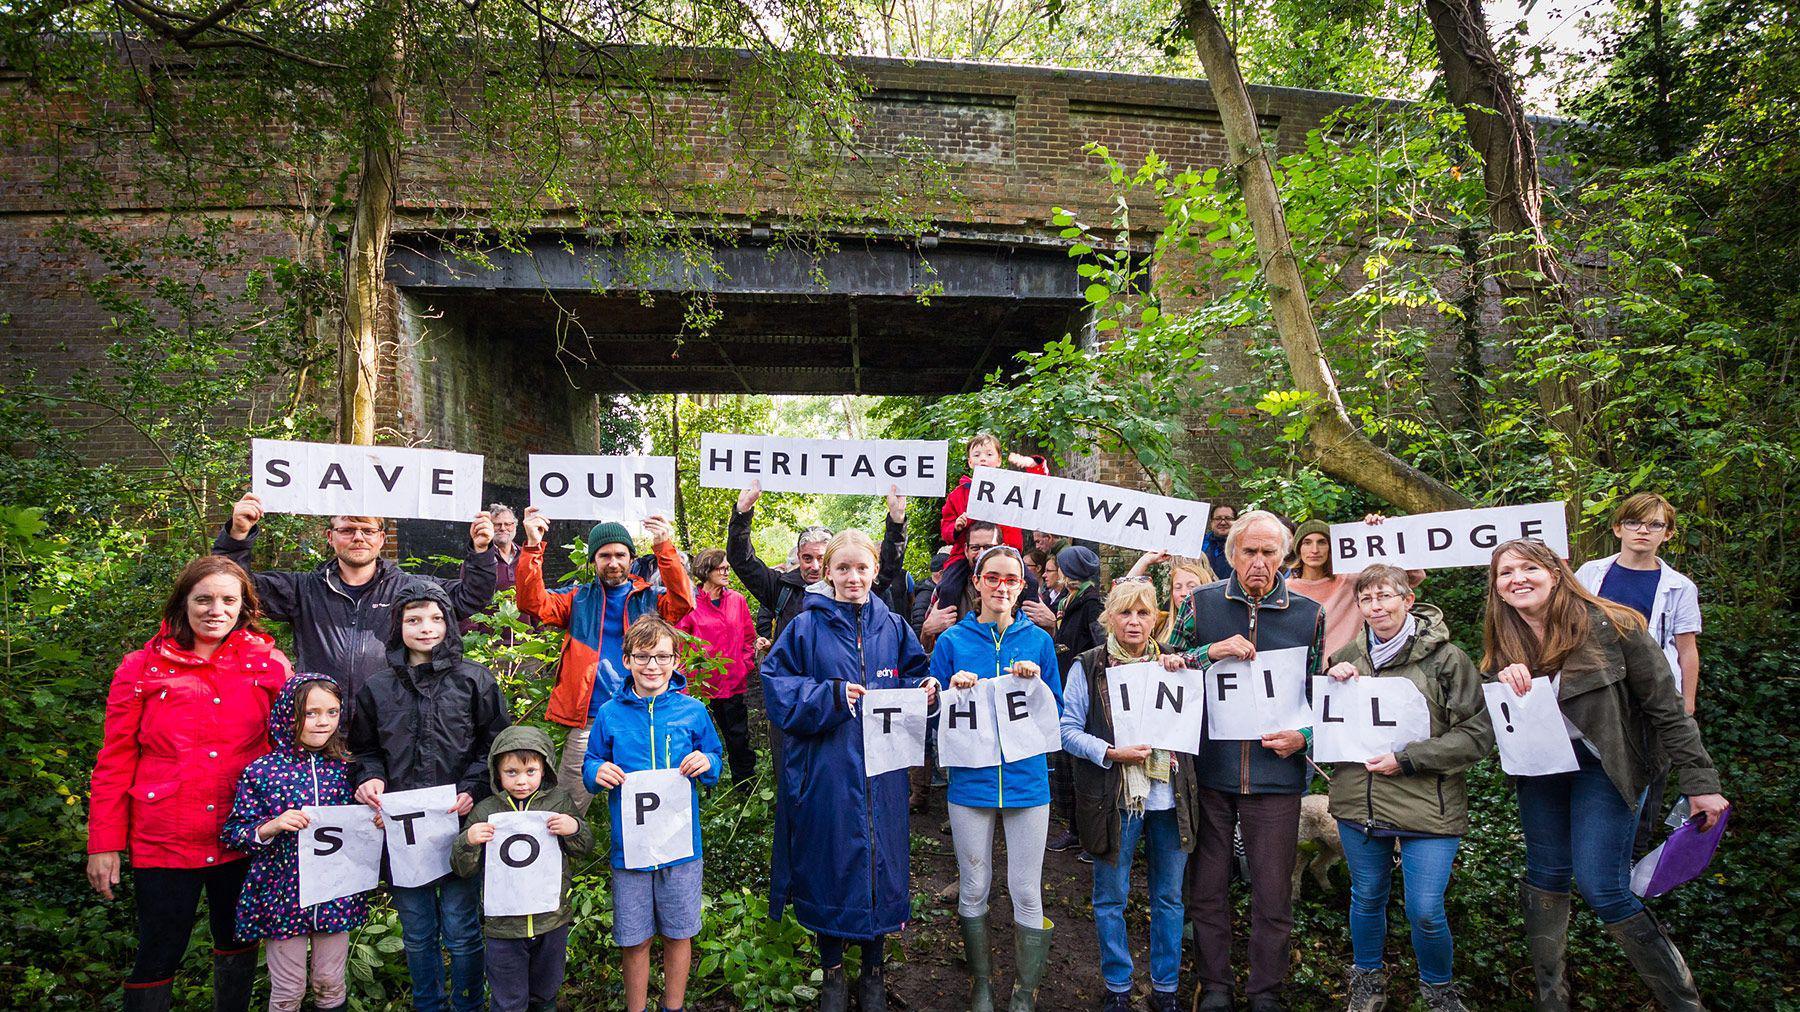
x=185, y=714
x=1622, y=711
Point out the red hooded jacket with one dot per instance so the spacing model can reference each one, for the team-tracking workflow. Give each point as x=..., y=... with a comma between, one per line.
x=179, y=730
x=957, y=503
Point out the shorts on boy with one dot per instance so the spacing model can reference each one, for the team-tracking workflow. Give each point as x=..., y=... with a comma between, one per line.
x=663, y=902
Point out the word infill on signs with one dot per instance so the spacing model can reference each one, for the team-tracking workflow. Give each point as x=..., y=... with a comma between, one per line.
x=1248, y=699
x=334, y=479
x=1000, y=718
x=1361, y=718
x=1155, y=707
x=623, y=488
x=1446, y=540
x=522, y=866
x=1088, y=510
x=834, y=466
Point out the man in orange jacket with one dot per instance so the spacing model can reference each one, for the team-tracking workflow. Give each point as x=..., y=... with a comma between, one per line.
x=596, y=616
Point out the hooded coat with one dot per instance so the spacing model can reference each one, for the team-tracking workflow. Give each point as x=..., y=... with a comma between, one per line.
x=179, y=730
x=971, y=645
x=290, y=776
x=635, y=733
x=729, y=634
x=1428, y=795
x=421, y=725
x=841, y=838
x=781, y=594
x=341, y=635
x=466, y=858
x=957, y=503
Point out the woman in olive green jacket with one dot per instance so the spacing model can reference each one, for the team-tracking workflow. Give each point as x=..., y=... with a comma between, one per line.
x=1413, y=799
x=1623, y=713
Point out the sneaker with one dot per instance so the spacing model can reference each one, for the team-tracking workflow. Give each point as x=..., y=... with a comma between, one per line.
x=1066, y=840
x=1085, y=858
x=1442, y=997
x=1116, y=1001
x=1164, y=1001
x=1368, y=990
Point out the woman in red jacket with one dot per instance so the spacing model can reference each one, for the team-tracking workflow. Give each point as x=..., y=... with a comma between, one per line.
x=721, y=619
x=185, y=715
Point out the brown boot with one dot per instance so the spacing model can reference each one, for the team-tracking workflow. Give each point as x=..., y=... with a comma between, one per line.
x=918, y=779
x=1547, y=938
x=1658, y=961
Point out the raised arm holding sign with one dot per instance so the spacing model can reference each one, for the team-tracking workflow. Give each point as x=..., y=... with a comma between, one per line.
x=623, y=488
x=333, y=479
x=1446, y=540
x=833, y=466
x=1088, y=510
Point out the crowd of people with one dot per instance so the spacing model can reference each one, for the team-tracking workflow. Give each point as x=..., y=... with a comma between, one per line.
x=215, y=743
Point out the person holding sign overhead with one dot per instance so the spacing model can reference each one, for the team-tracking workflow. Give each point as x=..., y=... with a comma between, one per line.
x=1126, y=793
x=592, y=665
x=339, y=611
x=525, y=955
x=185, y=714
x=841, y=838
x=428, y=721
x=652, y=724
x=1623, y=710
x=308, y=766
x=986, y=645
x=1253, y=784
x=1336, y=592
x=1413, y=799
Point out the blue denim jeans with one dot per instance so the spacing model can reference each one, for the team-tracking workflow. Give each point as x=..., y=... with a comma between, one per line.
x=1578, y=828
x=1112, y=885
x=446, y=913
x=1425, y=864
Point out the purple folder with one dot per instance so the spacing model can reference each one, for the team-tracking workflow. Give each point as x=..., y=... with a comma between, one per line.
x=1679, y=859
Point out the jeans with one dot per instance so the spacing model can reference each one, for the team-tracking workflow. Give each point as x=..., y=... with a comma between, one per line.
x=448, y=909
x=1112, y=885
x=1425, y=864
x=1578, y=827
x=568, y=770
x=168, y=904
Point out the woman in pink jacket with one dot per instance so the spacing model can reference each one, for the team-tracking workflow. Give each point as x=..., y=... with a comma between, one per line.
x=186, y=713
x=721, y=619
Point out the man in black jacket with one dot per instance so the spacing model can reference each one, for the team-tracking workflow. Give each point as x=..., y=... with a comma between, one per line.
x=339, y=612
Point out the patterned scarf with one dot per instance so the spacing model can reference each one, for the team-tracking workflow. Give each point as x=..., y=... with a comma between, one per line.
x=1381, y=653
x=1134, y=781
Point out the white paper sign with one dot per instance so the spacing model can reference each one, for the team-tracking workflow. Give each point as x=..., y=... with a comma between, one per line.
x=1026, y=715
x=833, y=466
x=657, y=809
x=420, y=829
x=966, y=735
x=1356, y=720
x=622, y=488
x=1529, y=729
x=1446, y=540
x=340, y=852
x=335, y=479
x=1088, y=509
x=522, y=867
x=893, y=723
x=1128, y=688
x=1172, y=717
x=1248, y=699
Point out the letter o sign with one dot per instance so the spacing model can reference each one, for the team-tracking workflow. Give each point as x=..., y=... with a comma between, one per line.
x=506, y=851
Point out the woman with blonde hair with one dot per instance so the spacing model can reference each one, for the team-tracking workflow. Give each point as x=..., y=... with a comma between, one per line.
x=841, y=855
x=1622, y=711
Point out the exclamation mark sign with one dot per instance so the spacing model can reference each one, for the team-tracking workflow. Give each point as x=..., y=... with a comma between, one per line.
x=1506, y=715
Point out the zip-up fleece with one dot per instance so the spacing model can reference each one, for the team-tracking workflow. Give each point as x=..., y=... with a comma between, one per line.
x=465, y=859
x=1428, y=795
x=651, y=733
x=289, y=777
x=972, y=645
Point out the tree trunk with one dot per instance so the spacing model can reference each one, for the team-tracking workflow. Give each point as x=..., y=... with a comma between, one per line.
x=1524, y=266
x=359, y=349
x=1335, y=443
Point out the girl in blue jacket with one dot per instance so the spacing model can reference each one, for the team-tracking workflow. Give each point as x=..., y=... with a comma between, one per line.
x=841, y=855
x=989, y=644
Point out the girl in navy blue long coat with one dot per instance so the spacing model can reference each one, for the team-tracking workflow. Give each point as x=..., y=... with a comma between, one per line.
x=841, y=837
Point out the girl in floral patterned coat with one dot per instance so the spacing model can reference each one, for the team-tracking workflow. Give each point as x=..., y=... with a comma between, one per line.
x=307, y=767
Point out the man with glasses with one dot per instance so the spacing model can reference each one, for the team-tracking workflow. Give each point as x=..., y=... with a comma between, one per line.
x=1638, y=578
x=506, y=557
x=957, y=595
x=592, y=666
x=1212, y=543
x=341, y=612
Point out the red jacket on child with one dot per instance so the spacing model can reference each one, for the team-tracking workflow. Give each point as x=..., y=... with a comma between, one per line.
x=957, y=503
x=179, y=730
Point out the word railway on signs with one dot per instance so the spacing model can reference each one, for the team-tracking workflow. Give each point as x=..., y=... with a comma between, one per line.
x=336, y=479
x=1088, y=510
x=832, y=466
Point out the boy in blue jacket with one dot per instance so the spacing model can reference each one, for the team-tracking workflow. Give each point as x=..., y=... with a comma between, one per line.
x=647, y=728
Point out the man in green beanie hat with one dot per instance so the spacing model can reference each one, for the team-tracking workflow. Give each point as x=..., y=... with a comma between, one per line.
x=596, y=615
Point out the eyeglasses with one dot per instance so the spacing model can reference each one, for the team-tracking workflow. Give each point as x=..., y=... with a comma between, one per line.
x=660, y=660
x=358, y=533
x=1370, y=600
x=1646, y=526
x=999, y=580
